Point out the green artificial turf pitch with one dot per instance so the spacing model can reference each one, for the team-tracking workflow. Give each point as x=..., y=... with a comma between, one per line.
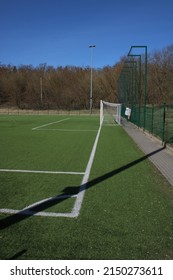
x=127, y=212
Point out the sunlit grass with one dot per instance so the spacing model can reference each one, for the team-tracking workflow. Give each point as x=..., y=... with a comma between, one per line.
x=127, y=212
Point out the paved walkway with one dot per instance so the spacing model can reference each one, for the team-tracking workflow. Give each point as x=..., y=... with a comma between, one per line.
x=161, y=157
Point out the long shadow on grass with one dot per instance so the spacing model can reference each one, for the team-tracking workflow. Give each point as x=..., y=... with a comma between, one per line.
x=18, y=254
x=122, y=168
x=20, y=216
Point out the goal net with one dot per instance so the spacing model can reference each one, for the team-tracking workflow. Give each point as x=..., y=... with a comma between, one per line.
x=110, y=113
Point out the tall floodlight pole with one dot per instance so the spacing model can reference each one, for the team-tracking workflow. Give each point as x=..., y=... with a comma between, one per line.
x=41, y=90
x=91, y=80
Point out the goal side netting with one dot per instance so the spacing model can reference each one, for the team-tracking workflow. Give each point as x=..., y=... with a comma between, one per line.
x=110, y=113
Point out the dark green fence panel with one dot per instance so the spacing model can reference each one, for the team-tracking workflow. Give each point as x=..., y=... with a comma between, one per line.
x=169, y=124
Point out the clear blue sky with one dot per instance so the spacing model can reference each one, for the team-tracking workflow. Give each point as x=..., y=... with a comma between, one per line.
x=58, y=32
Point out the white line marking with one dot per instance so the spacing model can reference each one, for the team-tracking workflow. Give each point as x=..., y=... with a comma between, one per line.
x=80, y=196
x=70, y=130
x=50, y=123
x=42, y=172
x=43, y=214
x=48, y=200
x=27, y=211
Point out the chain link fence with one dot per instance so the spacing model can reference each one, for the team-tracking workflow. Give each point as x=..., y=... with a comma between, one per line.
x=157, y=119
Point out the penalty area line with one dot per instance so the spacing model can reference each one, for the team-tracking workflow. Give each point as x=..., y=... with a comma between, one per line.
x=35, y=128
x=69, y=130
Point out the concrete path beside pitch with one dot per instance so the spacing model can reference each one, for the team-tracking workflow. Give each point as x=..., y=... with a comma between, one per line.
x=163, y=159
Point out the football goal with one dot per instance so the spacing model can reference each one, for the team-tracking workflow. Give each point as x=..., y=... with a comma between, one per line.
x=110, y=113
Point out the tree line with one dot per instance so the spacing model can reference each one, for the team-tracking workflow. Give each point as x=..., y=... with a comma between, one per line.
x=48, y=87
x=160, y=76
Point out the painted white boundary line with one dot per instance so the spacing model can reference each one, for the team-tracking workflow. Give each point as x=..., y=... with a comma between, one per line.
x=80, y=196
x=42, y=171
x=70, y=130
x=50, y=123
x=29, y=212
x=48, y=200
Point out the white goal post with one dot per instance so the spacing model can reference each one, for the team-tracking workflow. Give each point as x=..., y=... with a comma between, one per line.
x=110, y=113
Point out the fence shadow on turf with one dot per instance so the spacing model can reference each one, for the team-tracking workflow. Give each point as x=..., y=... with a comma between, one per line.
x=20, y=216
x=18, y=255
x=122, y=168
